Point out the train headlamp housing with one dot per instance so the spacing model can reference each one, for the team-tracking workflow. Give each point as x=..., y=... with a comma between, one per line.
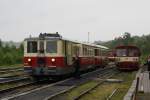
x=29, y=59
x=53, y=60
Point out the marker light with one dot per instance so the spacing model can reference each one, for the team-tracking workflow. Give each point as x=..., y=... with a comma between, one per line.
x=29, y=60
x=53, y=59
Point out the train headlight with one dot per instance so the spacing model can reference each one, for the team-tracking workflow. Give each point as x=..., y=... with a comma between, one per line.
x=53, y=59
x=29, y=60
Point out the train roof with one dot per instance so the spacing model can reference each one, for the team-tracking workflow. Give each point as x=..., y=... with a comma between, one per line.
x=56, y=36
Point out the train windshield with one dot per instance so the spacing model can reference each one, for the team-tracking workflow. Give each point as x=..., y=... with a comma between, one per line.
x=121, y=52
x=32, y=46
x=133, y=52
x=51, y=46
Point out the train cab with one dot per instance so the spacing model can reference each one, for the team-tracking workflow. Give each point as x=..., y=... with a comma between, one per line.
x=127, y=57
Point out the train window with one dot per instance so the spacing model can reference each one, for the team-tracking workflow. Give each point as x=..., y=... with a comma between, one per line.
x=86, y=51
x=96, y=52
x=51, y=47
x=121, y=52
x=133, y=52
x=31, y=47
x=76, y=50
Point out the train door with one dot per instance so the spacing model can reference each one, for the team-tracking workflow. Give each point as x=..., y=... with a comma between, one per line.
x=41, y=54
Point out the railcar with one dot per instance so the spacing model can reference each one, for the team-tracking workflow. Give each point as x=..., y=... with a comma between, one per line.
x=51, y=55
x=127, y=57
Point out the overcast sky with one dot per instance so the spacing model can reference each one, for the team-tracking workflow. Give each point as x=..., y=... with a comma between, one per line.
x=104, y=19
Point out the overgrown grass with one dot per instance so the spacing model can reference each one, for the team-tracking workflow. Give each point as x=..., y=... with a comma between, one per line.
x=17, y=73
x=75, y=92
x=10, y=85
x=128, y=77
x=100, y=93
x=103, y=91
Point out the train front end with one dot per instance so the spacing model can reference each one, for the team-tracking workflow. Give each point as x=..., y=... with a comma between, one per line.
x=43, y=56
x=127, y=58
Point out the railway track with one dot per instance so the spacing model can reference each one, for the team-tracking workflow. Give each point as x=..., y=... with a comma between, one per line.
x=102, y=76
x=48, y=91
x=2, y=71
x=94, y=87
x=13, y=80
x=24, y=87
x=11, y=72
x=21, y=85
x=10, y=68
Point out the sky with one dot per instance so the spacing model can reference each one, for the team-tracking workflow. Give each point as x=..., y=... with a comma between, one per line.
x=73, y=19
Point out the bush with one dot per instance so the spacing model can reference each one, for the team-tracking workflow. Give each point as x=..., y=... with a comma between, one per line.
x=8, y=59
x=1, y=56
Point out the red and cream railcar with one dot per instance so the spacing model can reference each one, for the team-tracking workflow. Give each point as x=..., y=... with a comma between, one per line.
x=127, y=57
x=51, y=55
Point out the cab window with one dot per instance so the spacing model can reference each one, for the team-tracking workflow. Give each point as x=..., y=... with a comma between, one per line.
x=51, y=46
x=32, y=47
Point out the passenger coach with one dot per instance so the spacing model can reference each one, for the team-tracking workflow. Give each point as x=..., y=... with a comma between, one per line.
x=52, y=55
x=127, y=57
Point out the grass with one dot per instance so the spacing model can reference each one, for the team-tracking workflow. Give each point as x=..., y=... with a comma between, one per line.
x=10, y=85
x=128, y=77
x=76, y=91
x=102, y=91
x=17, y=73
x=11, y=66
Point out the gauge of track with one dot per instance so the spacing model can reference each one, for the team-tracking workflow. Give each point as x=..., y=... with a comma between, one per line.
x=59, y=87
x=104, y=75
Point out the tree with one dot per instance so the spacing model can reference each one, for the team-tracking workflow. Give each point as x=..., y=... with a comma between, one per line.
x=127, y=35
x=8, y=59
x=0, y=43
x=1, y=56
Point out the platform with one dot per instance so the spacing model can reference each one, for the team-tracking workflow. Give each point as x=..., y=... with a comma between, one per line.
x=144, y=85
x=144, y=82
x=139, y=90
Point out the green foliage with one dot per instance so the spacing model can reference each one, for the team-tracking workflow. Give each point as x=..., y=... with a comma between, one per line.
x=1, y=56
x=8, y=59
x=126, y=39
x=10, y=54
x=0, y=43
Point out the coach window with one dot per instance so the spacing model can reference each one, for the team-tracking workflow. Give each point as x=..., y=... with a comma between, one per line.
x=96, y=53
x=31, y=47
x=51, y=47
x=83, y=51
x=86, y=51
